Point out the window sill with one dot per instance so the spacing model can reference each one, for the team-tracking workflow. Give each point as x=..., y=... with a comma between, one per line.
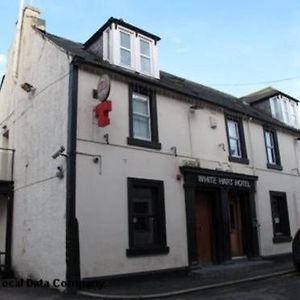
x=274, y=167
x=241, y=160
x=142, y=143
x=147, y=251
x=282, y=239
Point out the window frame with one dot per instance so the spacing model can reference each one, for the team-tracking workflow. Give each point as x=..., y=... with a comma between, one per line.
x=147, y=116
x=143, y=39
x=286, y=236
x=277, y=165
x=136, y=141
x=239, y=121
x=161, y=247
x=130, y=50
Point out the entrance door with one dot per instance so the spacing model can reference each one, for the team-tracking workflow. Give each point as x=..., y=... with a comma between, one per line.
x=236, y=243
x=204, y=228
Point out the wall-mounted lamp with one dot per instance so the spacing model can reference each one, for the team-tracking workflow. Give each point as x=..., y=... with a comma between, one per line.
x=106, y=138
x=27, y=87
x=5, y=131
x=174, y=150
x=222, y=146
x=60, y=172
x=196, y=107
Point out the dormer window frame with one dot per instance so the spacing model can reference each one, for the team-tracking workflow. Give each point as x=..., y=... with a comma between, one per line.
x=130, y=50
x=142, y=55
x=107, y=51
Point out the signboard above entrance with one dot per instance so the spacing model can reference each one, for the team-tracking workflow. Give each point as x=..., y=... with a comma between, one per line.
x=223, y=181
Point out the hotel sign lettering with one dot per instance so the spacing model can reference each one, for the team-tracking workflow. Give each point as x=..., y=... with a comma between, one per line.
x=224, y=181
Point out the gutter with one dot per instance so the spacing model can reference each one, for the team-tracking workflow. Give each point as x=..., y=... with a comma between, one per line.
x=72, y=232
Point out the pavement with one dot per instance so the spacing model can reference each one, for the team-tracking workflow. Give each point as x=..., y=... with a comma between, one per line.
x=183, y=282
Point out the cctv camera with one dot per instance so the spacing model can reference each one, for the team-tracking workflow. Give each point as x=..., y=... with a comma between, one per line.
x=58, y=152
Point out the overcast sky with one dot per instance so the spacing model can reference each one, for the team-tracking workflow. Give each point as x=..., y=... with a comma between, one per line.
x=228, y=45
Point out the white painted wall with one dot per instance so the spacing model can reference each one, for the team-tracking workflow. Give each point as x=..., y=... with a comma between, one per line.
x=38, y=127
x=102, y=198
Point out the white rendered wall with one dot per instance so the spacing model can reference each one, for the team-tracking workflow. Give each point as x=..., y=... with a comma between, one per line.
x=102, y=191
x=37, y=128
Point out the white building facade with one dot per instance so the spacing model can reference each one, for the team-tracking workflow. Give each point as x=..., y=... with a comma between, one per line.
x=183, y=175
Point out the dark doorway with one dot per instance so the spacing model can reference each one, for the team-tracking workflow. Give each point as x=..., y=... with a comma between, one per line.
x=235, y=225
x=204, y=227
x=221, y=215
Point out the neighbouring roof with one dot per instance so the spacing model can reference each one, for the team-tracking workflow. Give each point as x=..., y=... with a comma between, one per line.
x=187, y=88
x=264, y=94
x=121, y=23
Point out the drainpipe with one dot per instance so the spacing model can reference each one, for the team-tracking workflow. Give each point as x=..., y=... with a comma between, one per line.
x=72, y=232
x=251, y=145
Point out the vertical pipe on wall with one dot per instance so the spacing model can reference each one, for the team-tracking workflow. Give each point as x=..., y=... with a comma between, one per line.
x=9, y=224
x=72, y=232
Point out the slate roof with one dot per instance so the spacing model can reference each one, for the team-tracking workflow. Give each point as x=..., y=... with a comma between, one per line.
x=170, y=82
x=264, y=94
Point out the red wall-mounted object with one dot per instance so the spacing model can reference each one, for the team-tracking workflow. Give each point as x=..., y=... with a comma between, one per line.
x=102, y=113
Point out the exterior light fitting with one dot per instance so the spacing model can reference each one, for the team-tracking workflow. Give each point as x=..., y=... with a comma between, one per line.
x=27, y=87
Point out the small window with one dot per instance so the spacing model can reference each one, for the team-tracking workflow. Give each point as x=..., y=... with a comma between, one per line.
x=272, y=150
x=280, y=217
x=276, y=108
x=147, y=229
x=145, y=56
x=143, y=129
x=286, y=112
x=236, y=140
x=125, y=49
x=293, y=114
x=141, y=118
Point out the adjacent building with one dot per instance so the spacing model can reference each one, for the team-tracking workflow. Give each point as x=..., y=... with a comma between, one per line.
x=162, y=174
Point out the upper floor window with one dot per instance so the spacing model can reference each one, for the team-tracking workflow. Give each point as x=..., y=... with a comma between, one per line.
x=280, y=217
x=143, y=128
x=272, y=150
x=141, y=118
x=125, y=49
x=293, y=114
x=236, y=140
x=276, y=108
x=145, y=57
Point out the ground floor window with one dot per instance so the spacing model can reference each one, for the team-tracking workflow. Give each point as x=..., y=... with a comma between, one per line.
x=280, y=217
x=146, y=212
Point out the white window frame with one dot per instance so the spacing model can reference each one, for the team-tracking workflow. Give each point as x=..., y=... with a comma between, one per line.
x=142, y=98
x=235, y=138
x=130, y=50
x=271, y=147
x=293, y=108
x=150, y=57
x=286, y=110
x=107, y=55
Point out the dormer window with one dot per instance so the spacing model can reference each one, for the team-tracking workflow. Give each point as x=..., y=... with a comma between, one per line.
x=127, y=46
x=125, y=49
x=145, y=56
